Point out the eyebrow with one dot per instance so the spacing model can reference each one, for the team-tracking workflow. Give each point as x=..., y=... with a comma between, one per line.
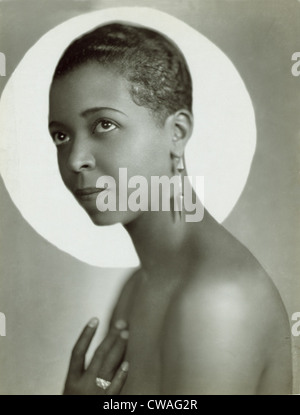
x=86, y=113
x=90, y=111
x=55, y=123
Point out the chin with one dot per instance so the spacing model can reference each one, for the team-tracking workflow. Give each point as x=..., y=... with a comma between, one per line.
x=112, y=218
x=102, y=218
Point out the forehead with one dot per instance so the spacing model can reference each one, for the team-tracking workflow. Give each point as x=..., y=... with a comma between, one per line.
x=88, y=86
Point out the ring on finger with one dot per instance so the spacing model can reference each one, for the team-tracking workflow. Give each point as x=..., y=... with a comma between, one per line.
x=102, y=383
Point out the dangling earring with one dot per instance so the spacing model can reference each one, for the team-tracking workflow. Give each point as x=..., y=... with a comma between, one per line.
x=179, y=197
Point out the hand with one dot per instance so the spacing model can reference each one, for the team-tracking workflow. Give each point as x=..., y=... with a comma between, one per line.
x=107, y=362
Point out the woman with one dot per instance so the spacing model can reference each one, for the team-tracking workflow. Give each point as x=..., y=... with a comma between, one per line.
x=200, y=316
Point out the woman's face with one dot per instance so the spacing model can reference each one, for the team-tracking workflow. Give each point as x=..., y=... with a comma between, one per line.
x=98, y=129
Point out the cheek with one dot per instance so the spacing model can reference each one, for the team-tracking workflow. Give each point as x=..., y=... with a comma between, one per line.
x=64, y=172
x=135, y=151
x=155, y=159
x=144, y=163
x=152, y=153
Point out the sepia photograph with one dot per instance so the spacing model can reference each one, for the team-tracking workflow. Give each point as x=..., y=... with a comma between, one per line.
x=150, y=204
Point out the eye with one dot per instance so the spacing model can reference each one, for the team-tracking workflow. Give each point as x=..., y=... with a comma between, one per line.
x=103, y=126
x=60, y=138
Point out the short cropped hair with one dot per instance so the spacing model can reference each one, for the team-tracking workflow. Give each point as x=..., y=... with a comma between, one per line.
x=153, y=65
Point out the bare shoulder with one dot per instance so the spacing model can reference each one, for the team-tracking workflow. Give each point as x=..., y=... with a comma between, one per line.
x=230, y=327
x=122, y=307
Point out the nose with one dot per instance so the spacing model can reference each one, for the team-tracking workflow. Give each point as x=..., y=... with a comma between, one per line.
x=81, y=156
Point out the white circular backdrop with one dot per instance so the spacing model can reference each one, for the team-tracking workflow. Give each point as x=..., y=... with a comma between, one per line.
x=221, y=148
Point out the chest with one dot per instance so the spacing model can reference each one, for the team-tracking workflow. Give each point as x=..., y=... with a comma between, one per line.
x=146, y=328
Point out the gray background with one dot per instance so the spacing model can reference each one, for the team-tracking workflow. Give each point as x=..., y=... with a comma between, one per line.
x=46, y=295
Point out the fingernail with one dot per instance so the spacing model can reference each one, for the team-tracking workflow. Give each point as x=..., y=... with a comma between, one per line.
x=120, y=324
x=124, y=334
x=125, y=366
x=93, y=322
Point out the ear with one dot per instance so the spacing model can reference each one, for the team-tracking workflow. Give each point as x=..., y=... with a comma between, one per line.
x=182, y=128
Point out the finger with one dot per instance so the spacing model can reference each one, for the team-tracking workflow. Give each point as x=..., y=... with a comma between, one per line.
x=79, y=350
x=120, y=324
x=115, y=356
x=118, y=380
x=102, y=350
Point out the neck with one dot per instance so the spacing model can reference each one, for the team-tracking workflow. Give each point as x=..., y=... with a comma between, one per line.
x=162, y=243
x=156, y=238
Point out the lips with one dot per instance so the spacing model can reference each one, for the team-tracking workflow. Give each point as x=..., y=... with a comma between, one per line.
x=88, y=193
